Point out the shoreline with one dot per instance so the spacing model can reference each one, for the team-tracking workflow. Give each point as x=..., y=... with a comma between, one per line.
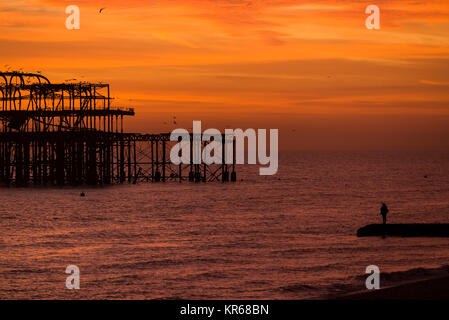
x=435, y=288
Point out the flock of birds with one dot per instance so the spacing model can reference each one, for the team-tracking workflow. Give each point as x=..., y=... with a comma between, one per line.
x=173, y=121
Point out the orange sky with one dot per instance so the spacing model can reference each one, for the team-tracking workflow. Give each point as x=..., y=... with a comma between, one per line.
x=309, y=68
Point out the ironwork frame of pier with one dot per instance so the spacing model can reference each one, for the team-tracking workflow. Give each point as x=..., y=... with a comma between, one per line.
x=69, y=134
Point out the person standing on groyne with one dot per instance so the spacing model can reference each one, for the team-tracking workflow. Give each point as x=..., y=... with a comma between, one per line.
x=383, y=212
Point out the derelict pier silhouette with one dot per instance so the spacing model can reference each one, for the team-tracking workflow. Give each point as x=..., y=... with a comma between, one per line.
x=69, y=134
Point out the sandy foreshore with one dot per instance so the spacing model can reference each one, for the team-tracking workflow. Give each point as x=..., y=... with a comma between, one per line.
x=430, y=289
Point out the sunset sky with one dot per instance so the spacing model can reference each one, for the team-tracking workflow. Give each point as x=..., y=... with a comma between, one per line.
x=309, y=68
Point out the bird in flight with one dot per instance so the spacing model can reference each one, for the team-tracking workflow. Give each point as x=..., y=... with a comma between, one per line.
x=101, y=10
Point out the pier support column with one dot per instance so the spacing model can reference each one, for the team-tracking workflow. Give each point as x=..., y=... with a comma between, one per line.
x=157, y=174
x=197, y=173
x=45, y=163
x=191, y=174
x=19, y=164
x=122, y=161
x=233, y=174
x=26, y=162
x=129, y=160
x=80, y=161
x=2, y=161
x=60, y=163
x=35, y=163
x=152, y=160
x=92, y=177
x=107, y=151
x=163, y=160
x=224, y=176
x=7, y=158
x=204, y=178
x=135, y=161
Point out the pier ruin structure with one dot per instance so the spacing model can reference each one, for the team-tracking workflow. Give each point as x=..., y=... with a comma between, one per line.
x=69, y=134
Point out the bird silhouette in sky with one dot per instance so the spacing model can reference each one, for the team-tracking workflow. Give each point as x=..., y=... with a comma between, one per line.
x=101, y=10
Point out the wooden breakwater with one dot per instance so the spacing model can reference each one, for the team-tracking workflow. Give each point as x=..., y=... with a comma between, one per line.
x=405, y=230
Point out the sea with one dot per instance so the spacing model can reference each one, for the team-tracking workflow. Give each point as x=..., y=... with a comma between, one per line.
x=288, y=236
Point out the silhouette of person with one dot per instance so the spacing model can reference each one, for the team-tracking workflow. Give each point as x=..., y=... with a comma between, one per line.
x=383, y=212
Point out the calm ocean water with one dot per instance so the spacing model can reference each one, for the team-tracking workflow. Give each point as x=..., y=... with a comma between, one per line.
x=260, y=238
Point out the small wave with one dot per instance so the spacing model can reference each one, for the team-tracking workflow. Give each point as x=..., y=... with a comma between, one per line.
x=387, y=279
x=209, y=275
x=296, y=287
x=142, y=265
x=8, y=217
x=411, y=274
x=25, y=271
